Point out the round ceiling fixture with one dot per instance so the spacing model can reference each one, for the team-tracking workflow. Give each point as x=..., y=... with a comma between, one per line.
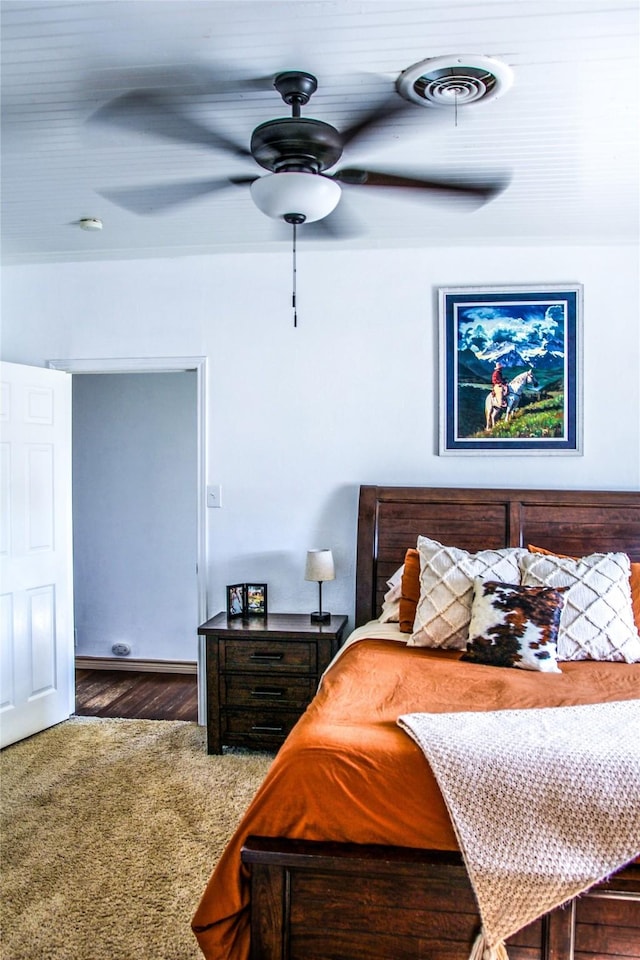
x=454, y=81
x=90, y=223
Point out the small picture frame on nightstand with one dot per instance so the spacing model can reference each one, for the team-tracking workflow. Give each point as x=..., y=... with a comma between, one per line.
x=256, y=599
x=236, y=600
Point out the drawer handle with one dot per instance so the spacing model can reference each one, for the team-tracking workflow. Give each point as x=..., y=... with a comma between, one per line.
x=271, y=693
x=260, y=728
x=266, y=656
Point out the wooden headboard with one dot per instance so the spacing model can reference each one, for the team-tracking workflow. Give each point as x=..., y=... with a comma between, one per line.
x=566, y=521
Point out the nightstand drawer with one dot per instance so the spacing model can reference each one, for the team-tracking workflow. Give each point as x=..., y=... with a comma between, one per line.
x=264, y=726
x=286, y=656
x=241, y=690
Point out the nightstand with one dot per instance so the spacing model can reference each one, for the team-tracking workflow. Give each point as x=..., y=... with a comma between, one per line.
x=262, y=672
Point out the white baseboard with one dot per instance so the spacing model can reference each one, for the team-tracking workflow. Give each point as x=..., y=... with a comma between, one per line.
x=145, y=666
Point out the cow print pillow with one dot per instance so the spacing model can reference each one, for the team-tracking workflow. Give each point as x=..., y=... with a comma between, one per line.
x=514, y=626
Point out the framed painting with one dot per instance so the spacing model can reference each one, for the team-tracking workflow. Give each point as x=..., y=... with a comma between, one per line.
x=511, y=370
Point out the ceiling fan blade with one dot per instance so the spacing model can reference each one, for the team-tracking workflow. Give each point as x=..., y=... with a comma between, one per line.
x=151, y=113
x=373, y=118
x=197, y=80
x=242, y=181
x=480, y=190
x=150, y=200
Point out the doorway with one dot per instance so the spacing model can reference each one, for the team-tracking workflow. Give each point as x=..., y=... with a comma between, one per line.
x=139, y=541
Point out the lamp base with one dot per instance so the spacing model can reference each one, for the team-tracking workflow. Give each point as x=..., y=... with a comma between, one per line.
x=320, y=616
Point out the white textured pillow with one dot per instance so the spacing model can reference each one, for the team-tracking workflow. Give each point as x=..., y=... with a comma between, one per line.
x=391, y=600
x=390, y=612
x=395, y=586
x=446, y=590
x=597, y=617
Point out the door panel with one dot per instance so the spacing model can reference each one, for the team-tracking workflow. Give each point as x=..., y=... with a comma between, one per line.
x=36, y=610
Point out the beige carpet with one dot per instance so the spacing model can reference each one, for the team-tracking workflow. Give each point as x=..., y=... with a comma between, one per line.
x=110, y=829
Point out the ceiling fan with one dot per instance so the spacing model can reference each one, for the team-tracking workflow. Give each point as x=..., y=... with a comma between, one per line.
x=300, y=153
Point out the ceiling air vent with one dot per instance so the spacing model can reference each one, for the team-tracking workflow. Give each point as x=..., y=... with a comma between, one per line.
x=454, y=81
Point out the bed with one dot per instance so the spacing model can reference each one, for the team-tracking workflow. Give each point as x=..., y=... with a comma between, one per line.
x=348, y=851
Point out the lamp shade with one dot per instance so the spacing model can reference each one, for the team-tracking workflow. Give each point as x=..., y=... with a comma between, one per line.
x=309, y=195
x=319, y=566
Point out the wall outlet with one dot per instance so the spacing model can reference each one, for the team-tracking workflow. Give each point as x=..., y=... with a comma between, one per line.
x=121, y=649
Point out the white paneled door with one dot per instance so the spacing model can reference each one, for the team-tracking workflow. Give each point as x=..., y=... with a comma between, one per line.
x=36, y=592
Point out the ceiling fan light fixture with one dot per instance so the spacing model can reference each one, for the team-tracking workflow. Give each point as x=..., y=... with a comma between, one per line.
x=454, y=81
x=295, y=194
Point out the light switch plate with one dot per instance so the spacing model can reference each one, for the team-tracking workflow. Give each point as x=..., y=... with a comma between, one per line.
x=214, y=495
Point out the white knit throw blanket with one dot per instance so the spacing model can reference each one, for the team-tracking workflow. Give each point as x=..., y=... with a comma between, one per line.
x=544, y=802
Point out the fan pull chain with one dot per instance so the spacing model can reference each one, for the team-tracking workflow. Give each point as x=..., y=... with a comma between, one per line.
x=293, y=297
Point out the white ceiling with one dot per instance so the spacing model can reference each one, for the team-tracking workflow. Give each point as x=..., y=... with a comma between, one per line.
x=567, y=131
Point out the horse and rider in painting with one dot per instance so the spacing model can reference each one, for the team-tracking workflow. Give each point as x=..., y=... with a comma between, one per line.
x=504, y=398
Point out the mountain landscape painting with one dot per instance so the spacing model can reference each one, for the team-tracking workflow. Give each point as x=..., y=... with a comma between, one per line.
x=510, y=370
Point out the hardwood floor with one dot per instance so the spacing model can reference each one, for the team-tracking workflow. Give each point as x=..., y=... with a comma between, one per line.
x=136, y=696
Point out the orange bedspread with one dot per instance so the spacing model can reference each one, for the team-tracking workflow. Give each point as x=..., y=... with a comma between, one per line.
x=348, y=773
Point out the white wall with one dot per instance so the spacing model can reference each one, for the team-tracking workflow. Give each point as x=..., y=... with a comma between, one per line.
x=299, y=418
x=134, y=514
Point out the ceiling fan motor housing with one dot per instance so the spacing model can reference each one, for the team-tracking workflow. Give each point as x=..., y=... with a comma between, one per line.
x=296, y=144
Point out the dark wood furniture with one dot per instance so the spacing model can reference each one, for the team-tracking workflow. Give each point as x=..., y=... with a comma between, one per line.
x=314, y=901
x=262, y=672
x=567, y=521
x=330, y=900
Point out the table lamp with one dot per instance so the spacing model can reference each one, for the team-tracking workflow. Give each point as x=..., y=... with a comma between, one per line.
x=319, y=567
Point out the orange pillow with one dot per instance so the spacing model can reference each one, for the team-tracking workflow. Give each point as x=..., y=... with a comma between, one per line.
x=634, y=580
x=410, y=590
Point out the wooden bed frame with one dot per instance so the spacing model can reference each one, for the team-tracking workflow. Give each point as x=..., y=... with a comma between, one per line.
x=330, y=901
